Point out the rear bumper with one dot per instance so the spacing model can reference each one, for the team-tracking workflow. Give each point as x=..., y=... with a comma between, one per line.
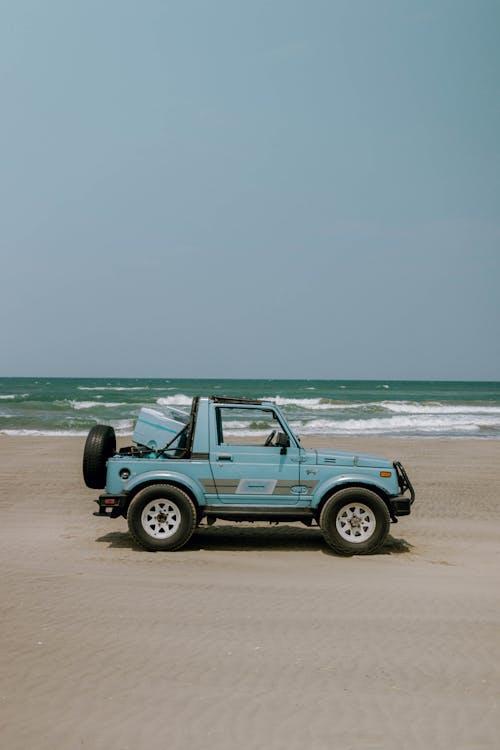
x=112, y=506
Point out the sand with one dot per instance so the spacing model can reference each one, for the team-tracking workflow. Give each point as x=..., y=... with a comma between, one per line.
x=251, y=637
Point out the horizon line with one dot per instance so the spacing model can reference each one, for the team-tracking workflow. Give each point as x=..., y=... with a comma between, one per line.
x=289, y=379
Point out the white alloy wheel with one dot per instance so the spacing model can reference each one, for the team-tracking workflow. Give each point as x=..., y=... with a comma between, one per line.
x=160, y=518
x=356, y=522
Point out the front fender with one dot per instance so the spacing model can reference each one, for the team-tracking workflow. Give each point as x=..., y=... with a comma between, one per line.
x=150, y=477
x=348, y=479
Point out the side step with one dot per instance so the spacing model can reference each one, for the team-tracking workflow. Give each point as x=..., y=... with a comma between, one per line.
x=257, y=513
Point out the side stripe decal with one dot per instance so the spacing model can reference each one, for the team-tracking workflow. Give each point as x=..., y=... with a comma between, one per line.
x=230, y=486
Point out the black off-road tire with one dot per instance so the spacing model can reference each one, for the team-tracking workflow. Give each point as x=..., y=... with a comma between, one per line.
x=159, y=498
x=99, y=446
x=339, y=507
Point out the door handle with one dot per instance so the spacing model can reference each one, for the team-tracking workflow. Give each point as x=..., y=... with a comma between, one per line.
x=224, y=457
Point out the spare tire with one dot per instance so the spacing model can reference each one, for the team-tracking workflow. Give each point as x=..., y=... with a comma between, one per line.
x=100, y=445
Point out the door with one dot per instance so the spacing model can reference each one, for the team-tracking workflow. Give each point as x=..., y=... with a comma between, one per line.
x=249, y=469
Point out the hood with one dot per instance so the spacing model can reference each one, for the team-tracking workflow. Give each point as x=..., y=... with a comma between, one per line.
x=344, y=458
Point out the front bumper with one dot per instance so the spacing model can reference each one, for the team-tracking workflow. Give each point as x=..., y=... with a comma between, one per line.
x=399, y=506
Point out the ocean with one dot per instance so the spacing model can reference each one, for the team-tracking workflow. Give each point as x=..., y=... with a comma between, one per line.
x=71, y=406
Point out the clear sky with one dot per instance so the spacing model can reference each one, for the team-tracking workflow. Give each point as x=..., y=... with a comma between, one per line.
x=279, y=188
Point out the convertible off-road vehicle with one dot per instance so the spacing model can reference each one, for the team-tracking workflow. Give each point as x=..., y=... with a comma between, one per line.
x=184, y=468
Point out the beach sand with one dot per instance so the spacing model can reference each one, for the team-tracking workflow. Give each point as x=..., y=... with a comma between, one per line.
x=252, y=636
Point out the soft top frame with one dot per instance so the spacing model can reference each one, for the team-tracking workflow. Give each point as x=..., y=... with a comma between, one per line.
x=228, y=400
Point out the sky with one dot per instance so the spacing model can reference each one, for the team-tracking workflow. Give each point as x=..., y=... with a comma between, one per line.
x=275, y=188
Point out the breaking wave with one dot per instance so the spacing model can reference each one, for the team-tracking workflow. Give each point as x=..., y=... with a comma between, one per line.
x=396, y=425
x=415, y=424
x=178, y=400
x=44, y=433
x=123, y=426
x=113, y=388
x=90, y=404
x=308, y=403
x=408, y=407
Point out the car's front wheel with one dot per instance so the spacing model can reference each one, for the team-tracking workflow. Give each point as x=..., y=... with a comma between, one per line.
x=161, y=517
x=355, y=521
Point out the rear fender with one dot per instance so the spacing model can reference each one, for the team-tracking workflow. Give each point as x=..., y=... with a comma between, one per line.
x=152, y=477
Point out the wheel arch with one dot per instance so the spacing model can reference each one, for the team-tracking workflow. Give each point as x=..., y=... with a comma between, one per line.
x=366, y=485
x=182, y=483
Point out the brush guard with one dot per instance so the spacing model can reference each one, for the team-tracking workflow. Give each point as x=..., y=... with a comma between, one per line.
x=401, y=505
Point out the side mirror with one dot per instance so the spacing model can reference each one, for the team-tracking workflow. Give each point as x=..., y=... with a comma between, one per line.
x=283, y=442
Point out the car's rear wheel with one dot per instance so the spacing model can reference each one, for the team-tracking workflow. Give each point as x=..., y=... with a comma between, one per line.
x=355, y=521
x=99, y=446
x=161, y=517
